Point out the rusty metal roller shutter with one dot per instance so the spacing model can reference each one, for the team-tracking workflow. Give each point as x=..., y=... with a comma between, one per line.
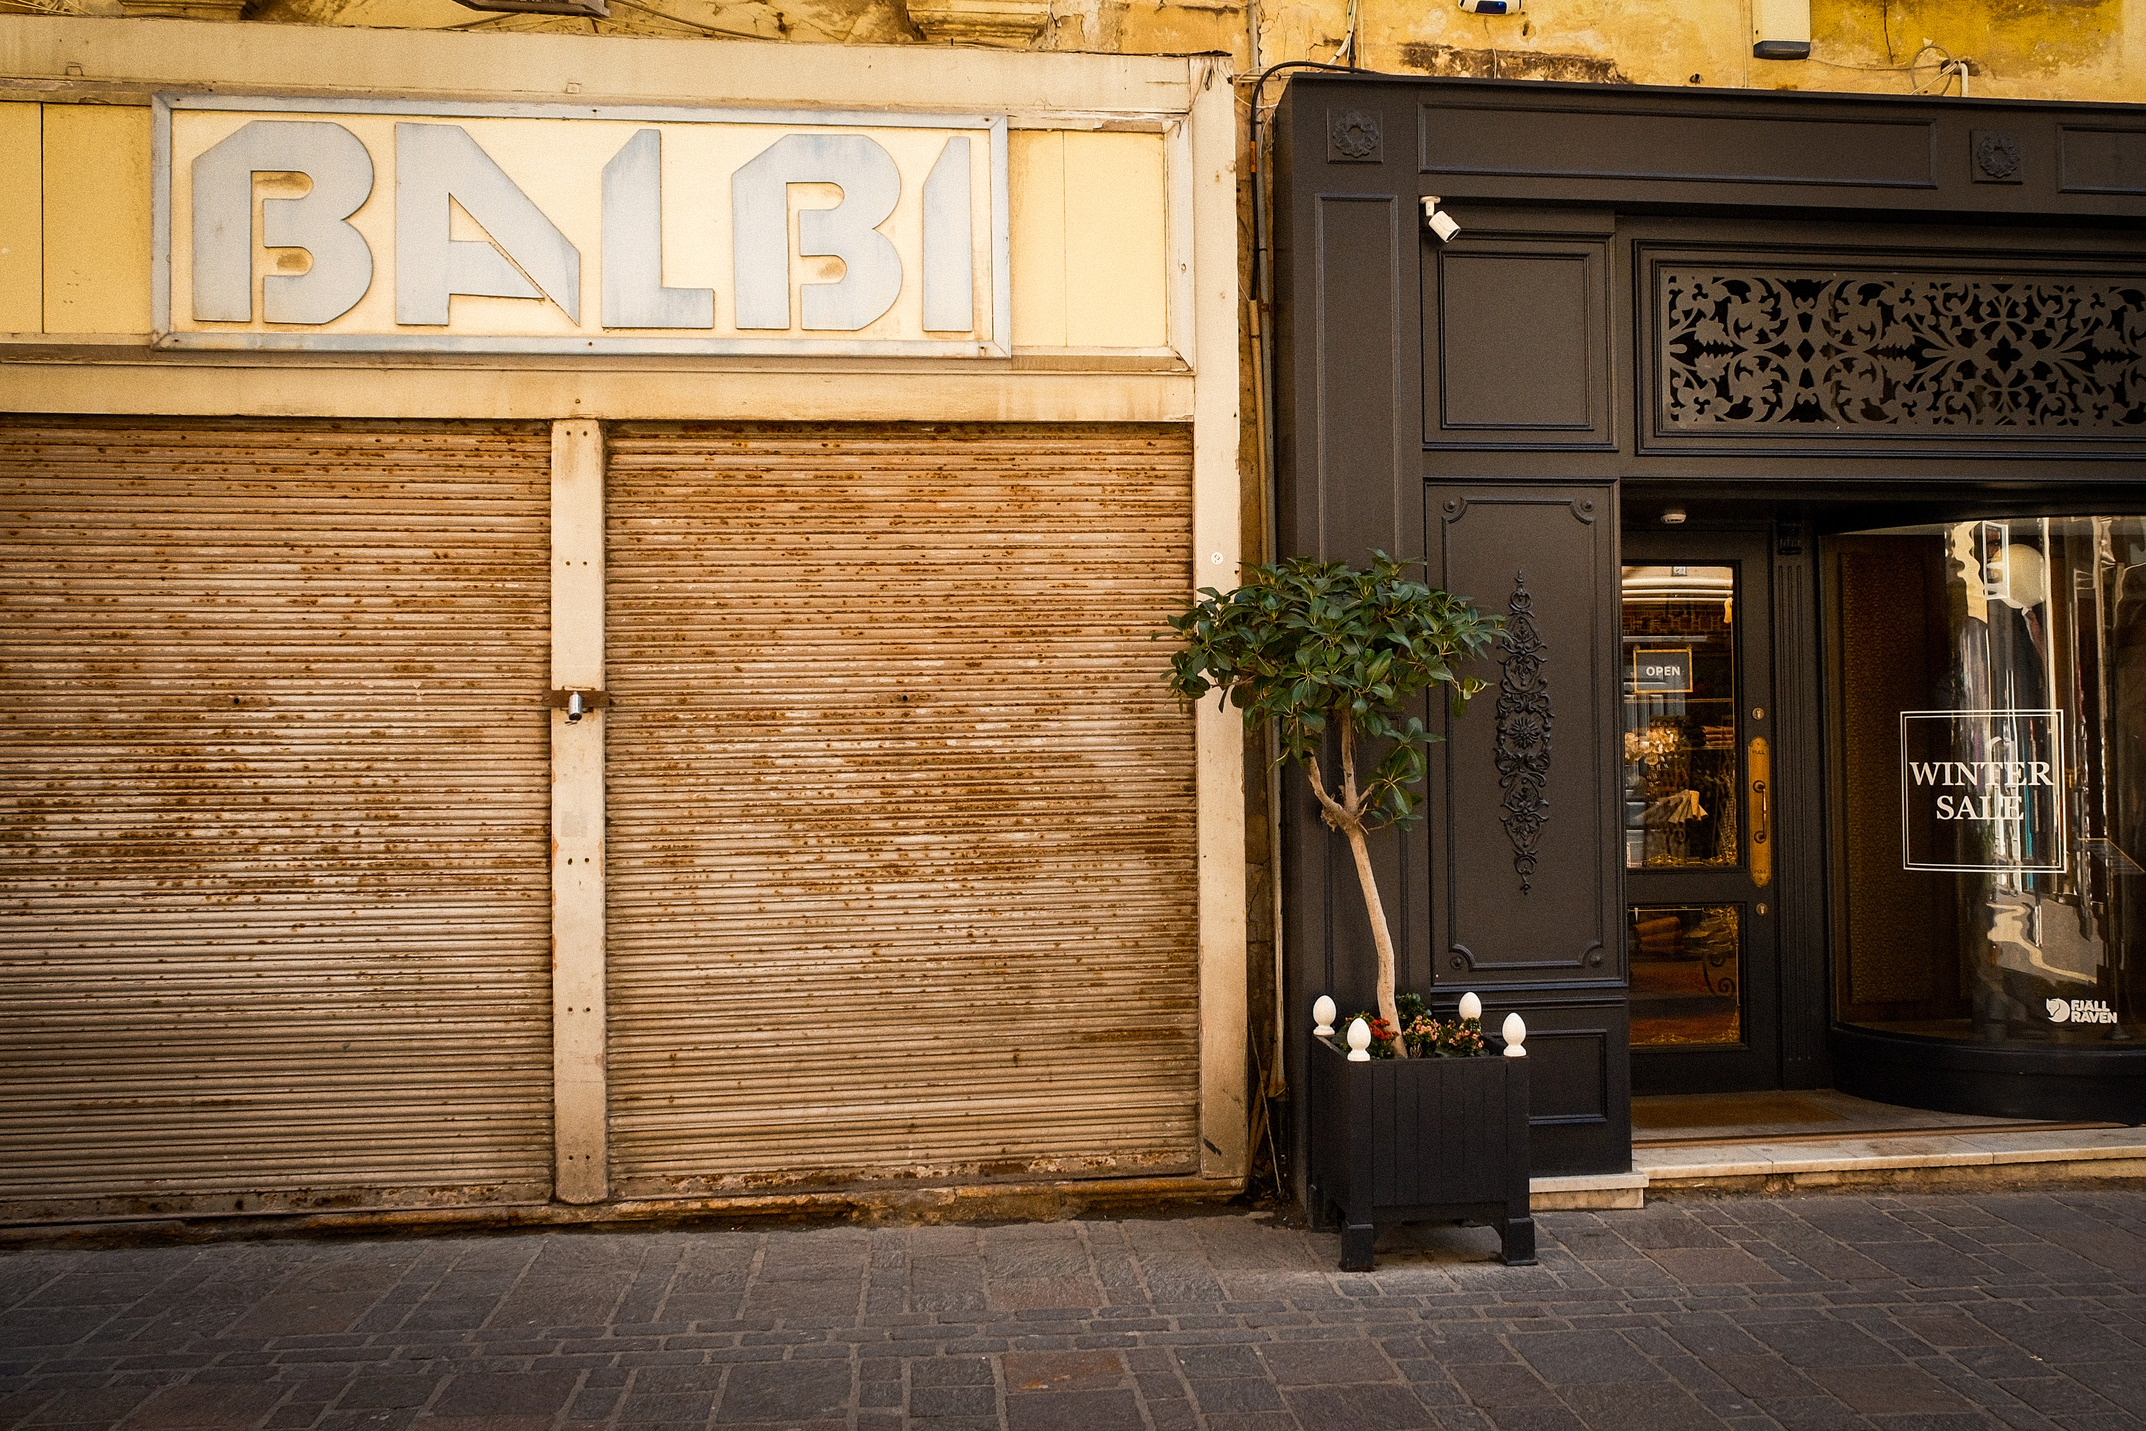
x=274, y=887
x=901, y=861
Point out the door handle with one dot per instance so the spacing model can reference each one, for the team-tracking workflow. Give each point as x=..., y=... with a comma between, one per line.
x=1759, y=768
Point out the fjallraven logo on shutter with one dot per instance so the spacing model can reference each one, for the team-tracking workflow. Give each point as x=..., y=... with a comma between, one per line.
x=367, y=226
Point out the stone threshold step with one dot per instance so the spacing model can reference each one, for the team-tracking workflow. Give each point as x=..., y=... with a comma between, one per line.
x=1998, y=1155
x=1837, y=1136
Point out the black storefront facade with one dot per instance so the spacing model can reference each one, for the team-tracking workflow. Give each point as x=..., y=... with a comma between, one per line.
x=1801, y=440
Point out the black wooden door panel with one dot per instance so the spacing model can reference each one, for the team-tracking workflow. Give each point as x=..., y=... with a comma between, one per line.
x=1523, y=877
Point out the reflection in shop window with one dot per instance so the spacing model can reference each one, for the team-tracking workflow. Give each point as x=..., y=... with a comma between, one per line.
x=1680, y=768
x=1686, y=974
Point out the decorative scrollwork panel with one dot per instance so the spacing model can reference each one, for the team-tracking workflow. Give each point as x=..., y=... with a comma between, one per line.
x=1747, y=350
x=1524, y=720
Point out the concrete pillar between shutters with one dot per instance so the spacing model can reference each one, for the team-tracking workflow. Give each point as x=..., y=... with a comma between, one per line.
x=1206, y=143
x=577, y=816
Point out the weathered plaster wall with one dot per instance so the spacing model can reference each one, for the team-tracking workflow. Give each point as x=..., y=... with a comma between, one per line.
x=2027, y=49
x=2065, y=49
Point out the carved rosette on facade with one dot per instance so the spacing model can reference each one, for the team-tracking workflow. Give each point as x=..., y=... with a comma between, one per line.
x=1753, y=350
x=1524, y=720
x=1354, y=135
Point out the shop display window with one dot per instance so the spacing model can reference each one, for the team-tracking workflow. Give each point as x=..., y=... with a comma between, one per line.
x=1988, y=684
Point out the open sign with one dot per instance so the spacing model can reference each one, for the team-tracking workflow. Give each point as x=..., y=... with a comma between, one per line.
x=1661, y=672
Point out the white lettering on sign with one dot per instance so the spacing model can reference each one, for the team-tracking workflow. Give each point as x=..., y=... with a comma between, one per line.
x=1982, y=790
x=340, y=262
x=2079, y=1011
x=521, y=254
x=688, y=231
x=1987, y=772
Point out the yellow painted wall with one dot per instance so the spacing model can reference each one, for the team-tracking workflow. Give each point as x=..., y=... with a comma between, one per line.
x=2052, y=49
x=1090, y=239
x=22, y=219
x=1116, y=241
x=2022, y=49
x=96, y=232
x=1036, y=179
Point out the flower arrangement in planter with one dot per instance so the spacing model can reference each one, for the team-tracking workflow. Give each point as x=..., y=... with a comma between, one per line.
x=1421, y=1035
x=1335, y=657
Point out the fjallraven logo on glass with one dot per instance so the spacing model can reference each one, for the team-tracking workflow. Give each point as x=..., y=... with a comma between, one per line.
x=2079, y=1011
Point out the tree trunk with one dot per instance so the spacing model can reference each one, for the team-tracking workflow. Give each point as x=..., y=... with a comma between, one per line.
x=1380, y=935
x=1346, y=816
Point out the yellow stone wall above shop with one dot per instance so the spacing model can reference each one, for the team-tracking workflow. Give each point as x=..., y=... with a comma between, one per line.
x=2065, y=49
x=96, y=195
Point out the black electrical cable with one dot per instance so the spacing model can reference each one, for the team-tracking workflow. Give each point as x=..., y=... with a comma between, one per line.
x=1263, y=295
x=1263, y=378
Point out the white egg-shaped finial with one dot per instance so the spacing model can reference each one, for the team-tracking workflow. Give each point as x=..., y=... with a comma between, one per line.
x=1470, y=1007
x=1516, y=1034
x=1322, y=1015
x=1359, y=1041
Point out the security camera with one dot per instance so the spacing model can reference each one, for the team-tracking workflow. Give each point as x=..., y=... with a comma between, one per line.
x=1492, y=7
x=1439, y=223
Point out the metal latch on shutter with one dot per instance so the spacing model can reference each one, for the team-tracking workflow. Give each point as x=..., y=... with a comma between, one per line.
x=577, y=704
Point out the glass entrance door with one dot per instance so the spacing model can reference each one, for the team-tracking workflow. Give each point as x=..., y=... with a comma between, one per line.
x=1698, y=812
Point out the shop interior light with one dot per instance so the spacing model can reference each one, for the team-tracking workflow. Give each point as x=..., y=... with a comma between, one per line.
x=1781, y=29
x=1674, y=517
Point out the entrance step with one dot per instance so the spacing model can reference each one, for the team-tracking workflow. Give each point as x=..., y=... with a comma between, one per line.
x=1788, y=1141
x=1588, y=1191
x=2010, y=1155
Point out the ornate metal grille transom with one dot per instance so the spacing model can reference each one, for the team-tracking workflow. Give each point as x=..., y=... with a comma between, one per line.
x=1751, y=350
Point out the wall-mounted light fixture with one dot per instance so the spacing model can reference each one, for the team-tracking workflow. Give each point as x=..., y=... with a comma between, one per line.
x=594, y=9
x=1780, y=29
x=1674, y=517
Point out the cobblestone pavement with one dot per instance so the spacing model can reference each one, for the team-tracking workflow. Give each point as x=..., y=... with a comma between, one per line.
x=2016, y=1309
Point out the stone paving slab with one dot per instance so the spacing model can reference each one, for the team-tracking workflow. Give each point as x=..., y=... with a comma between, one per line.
x=1914, y=1312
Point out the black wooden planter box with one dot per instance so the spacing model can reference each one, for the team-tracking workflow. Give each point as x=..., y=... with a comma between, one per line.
x=1419, y=1140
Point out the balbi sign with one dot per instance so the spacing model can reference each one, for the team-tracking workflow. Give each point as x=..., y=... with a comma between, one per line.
x=315, y=224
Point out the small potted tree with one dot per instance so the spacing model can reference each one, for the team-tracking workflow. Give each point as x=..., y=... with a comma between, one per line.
x=1335, y=657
